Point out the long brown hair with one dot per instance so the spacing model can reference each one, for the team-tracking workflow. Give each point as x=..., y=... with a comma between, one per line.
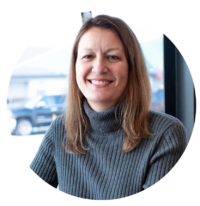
x=134, y=104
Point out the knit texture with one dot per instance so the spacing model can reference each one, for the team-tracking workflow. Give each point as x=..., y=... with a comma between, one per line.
x=105, y=172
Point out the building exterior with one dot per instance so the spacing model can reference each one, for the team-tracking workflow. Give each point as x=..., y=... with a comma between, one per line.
x=39, y=71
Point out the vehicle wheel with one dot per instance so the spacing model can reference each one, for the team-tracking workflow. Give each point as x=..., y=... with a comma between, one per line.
x=24, y=127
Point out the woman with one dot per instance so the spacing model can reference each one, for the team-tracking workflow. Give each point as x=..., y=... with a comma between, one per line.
x=109, y=144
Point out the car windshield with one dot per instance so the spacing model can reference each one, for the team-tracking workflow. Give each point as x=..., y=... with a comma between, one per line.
x=30, y=103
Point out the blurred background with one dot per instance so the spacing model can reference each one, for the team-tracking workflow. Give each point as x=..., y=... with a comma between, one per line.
x=38, y=85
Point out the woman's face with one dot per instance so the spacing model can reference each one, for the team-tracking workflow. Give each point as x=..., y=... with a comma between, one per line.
x=101, y=68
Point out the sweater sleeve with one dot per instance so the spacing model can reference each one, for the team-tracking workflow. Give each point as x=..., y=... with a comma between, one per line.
x=167, y=153
x=44, y=163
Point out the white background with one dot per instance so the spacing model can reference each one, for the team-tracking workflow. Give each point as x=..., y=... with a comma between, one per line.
x=47, y=23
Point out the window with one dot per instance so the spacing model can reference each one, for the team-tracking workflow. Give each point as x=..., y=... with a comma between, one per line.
x=49, y=100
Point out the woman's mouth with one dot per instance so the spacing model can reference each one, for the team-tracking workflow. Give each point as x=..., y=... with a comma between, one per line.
x=96, y=82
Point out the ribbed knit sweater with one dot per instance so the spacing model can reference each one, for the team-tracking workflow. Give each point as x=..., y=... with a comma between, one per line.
x=105, y=172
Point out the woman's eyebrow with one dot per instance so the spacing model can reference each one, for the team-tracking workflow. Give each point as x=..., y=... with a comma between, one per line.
x=114, y=48
x=88, y=49
x=109, y=49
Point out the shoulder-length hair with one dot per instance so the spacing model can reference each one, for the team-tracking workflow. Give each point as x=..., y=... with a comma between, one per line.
x=134, y=104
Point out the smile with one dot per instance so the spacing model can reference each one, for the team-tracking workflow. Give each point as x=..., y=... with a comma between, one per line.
x=99, y=82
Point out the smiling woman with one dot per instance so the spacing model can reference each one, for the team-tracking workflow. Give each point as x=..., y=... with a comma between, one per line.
x=108, y=144
x=101, y=70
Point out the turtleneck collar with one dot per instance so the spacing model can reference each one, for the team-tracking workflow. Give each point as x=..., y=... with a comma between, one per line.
x=103, y=122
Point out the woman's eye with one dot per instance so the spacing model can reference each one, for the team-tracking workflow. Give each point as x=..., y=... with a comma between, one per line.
x=88, y=57
x=112, y=57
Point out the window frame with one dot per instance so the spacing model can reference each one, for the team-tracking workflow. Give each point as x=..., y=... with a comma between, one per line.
x=179, y=92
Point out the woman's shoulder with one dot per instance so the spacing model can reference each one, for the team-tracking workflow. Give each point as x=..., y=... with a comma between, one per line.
x=160, y=120
x=167, y=130
x=59, y=120
x=58, y=126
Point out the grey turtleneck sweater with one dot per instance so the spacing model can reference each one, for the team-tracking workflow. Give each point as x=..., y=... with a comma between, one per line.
x=105, y=172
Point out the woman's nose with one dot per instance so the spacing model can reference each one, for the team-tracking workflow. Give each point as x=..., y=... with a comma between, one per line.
x=99, y=66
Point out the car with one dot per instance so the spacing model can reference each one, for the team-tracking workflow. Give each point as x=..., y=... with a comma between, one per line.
x=38, y=112
x=33, y=113
x=157, y=100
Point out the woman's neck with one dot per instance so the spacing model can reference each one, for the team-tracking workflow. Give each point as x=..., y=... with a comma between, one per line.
x=103, y=122
x=100, y=106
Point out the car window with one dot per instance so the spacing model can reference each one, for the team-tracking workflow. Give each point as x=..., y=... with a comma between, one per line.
x=49, y=100
x=60, y=99
x=30, y=103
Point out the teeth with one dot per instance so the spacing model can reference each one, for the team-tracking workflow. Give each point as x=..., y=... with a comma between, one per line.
x=99, y=82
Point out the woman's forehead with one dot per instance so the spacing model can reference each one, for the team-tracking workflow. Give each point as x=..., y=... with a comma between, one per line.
x=98, y=37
